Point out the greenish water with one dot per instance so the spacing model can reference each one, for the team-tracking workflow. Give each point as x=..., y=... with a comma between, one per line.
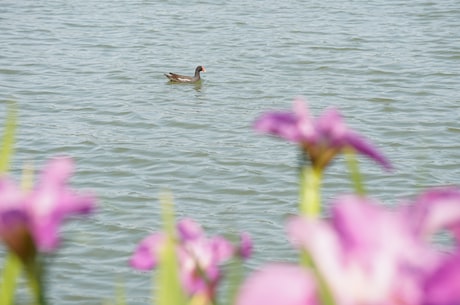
x=88, y=79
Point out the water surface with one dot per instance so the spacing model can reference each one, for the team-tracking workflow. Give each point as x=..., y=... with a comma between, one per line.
x=87, y=77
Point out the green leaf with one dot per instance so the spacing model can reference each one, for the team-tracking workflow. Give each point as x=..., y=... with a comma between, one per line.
x=235, y=274
x=6, y=150
x=35, y=278
x=11, y=271
x=120, y=294
x=169, y=290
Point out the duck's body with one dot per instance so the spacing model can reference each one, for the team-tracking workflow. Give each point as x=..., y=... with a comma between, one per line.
x=177, y=78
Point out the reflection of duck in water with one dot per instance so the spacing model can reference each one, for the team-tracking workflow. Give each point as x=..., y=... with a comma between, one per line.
x=177, y=78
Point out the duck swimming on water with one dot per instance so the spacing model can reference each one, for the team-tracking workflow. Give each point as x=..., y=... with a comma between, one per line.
x=177, y=78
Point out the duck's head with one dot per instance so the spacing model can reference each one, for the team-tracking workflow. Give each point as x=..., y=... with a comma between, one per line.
x=200, y=69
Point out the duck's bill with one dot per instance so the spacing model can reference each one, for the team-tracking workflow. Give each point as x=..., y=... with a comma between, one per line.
x=203, y=68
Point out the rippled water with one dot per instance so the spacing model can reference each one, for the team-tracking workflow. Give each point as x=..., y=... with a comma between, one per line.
x=87, y=76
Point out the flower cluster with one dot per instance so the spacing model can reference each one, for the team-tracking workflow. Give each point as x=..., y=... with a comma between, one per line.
x=30, y=219
x=199, y=256
x=363, y=253
x=366, y=253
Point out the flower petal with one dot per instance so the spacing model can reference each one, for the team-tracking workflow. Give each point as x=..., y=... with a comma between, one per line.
x=443, y=286
x=278, y=284
x=436, y=209
x=362, y=146
x=145, y=256
x=281, y=124
x=245, y=247
x=188, y=229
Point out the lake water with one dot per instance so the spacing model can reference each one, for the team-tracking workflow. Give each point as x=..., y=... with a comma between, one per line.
x=88, y=79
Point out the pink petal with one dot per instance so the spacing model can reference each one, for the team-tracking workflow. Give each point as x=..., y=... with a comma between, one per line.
x=278, y=284
x=188, y=229
x=443, y=286
x=281, y=124
x=222, y=249
x=12, y=205
x=434, y=210
x=245, y=247
x=145, y=256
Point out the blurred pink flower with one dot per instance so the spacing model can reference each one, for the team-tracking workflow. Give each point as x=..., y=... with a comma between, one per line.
x=199, y=256
x=35, y=216
x=369, y=254
x=321, y=138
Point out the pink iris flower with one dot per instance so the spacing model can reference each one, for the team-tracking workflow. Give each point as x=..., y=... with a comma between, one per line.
x=36, y=215
x=199, y=256
x=370, y=254
x=321, y=138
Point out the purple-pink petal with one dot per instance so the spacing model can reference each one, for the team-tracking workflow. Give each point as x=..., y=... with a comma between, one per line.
x=281, y=124
x=278, y=284
x=45, y=233
x=434, y=210
x=221, y=248
x=188, y=229
x=245, y=247
x=11, y=205
x=295, y=126
x=52, y=201
x=145, y=256
x=305, y=121
x=331, y=126
x=57, y=171
x=362, y=146
x=443, y=286
x=358, y=220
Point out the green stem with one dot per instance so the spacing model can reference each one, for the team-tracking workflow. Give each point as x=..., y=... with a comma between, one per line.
x=167, y=278
x=11, y=271
x=310, y=191
x=355, y=174
x=324, y=291
x=35, y=280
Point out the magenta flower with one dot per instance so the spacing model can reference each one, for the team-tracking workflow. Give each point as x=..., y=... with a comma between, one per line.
x=199, y=256
x=321, y=138
x=366, y=253
x=35, y=216
x=358, y=252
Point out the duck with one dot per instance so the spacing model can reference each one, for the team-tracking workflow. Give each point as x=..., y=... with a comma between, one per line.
x=177, y=78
